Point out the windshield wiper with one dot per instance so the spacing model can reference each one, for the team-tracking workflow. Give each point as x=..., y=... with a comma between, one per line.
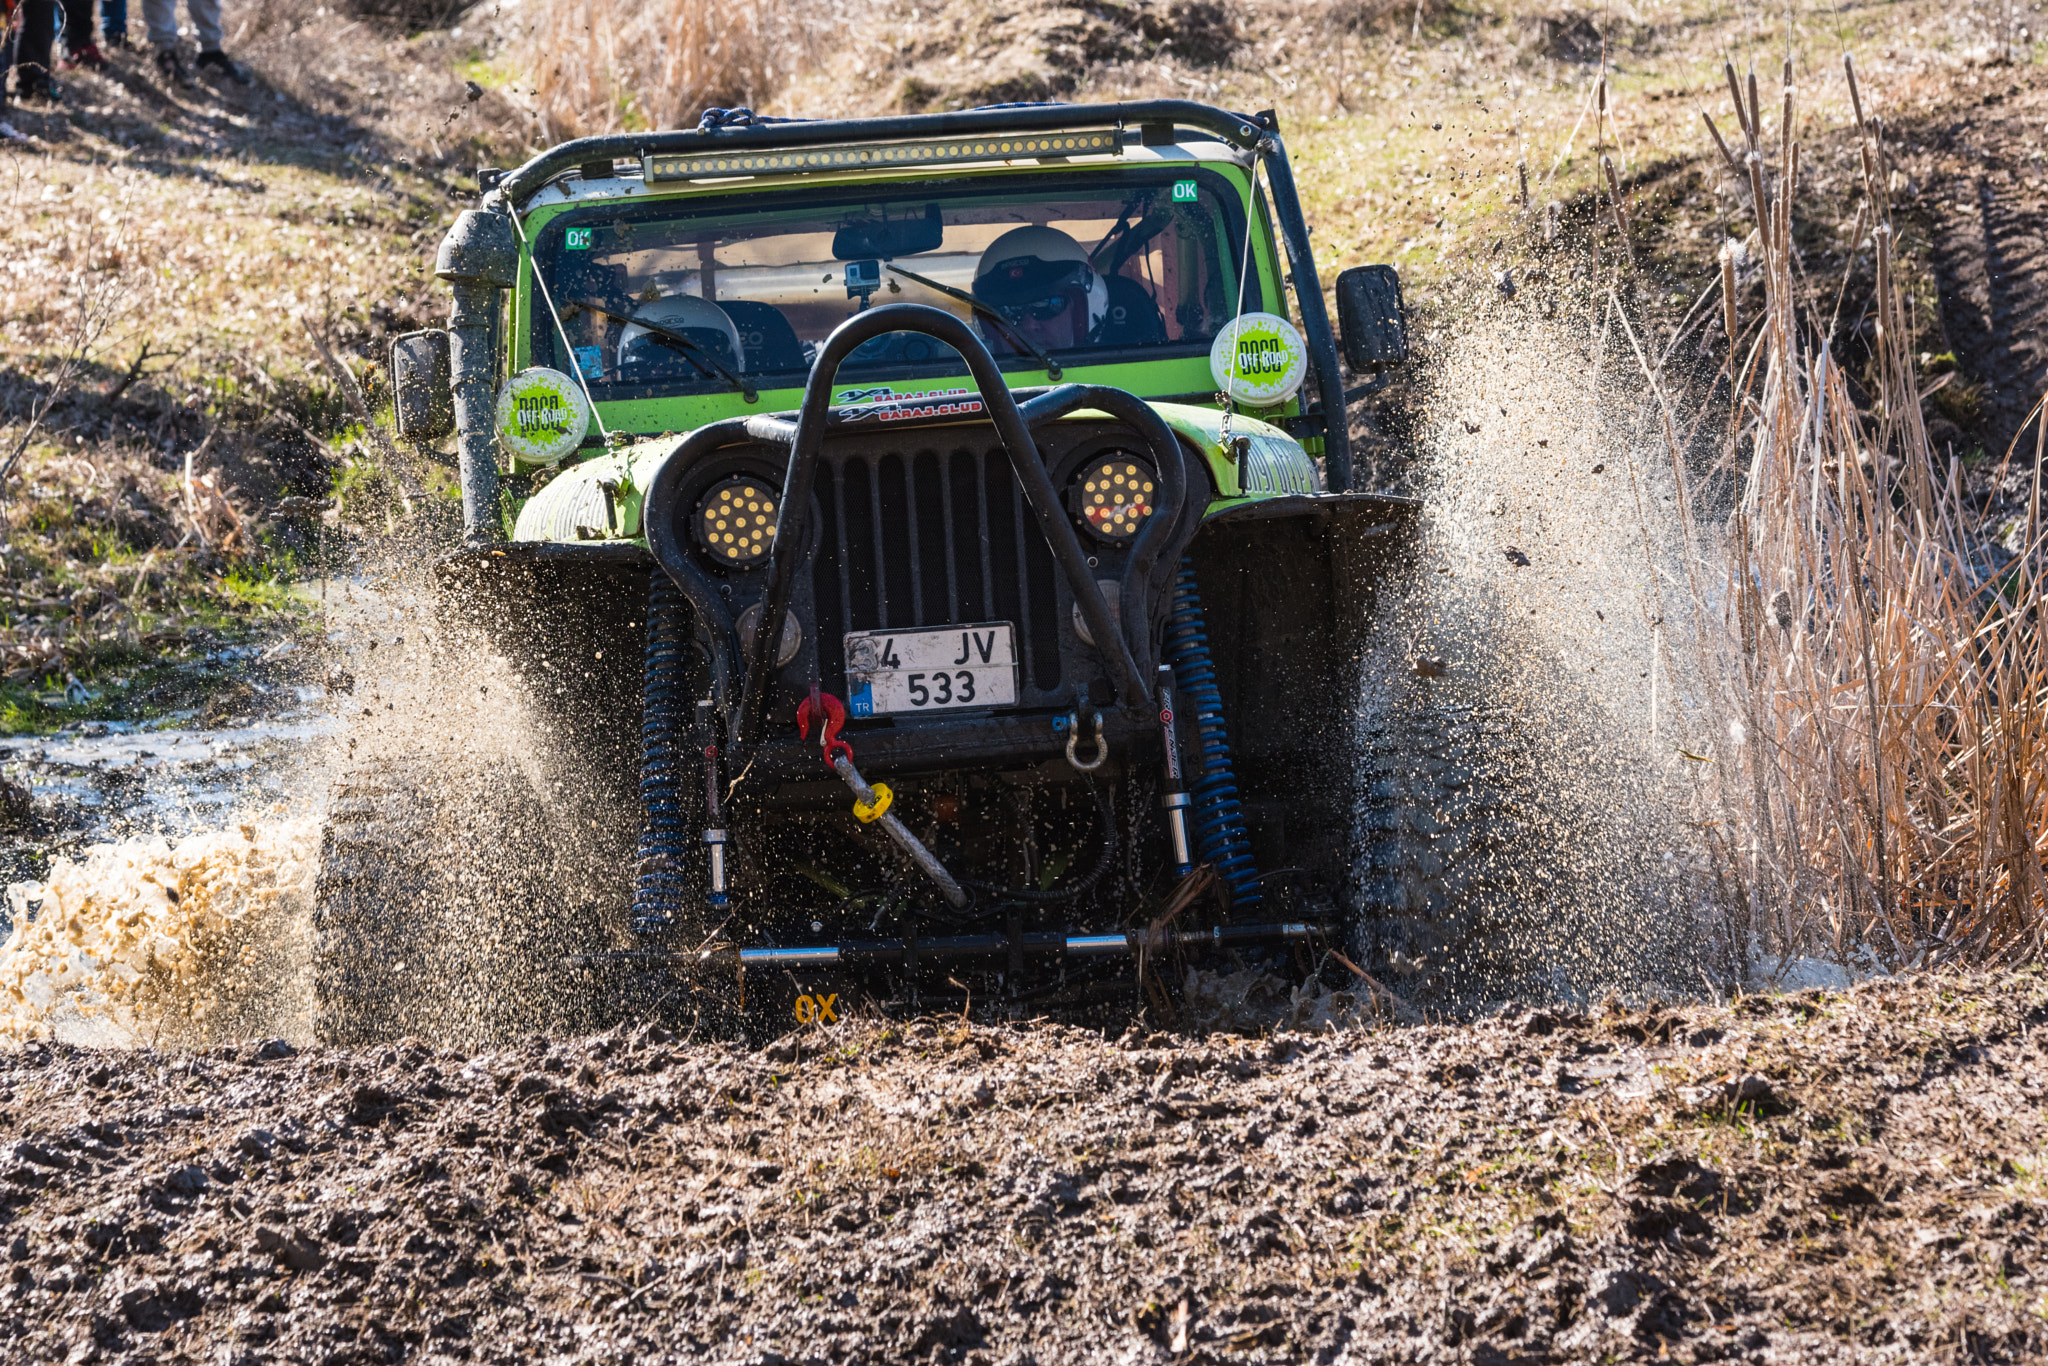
x=1052, y=367
x=692, y=352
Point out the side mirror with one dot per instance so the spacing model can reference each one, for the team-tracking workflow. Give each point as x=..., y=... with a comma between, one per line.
x=1371, y=322
x=423, y=403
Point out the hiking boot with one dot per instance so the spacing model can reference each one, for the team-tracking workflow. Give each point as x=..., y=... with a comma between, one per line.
x=216, y=60
x=87, y=55
x=171, y=67
x=36, y=87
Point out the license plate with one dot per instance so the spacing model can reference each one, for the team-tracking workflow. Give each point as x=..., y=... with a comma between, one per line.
x=940, y=668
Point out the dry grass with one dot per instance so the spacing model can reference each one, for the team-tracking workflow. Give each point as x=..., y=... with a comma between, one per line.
x=602, y=66
x=157, y=403
x=1879, y=775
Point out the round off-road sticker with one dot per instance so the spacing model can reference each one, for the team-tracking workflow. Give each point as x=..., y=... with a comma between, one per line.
x=1259, y=359
x=542, y=415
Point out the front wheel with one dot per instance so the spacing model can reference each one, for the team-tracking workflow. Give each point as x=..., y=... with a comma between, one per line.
x=441, y=903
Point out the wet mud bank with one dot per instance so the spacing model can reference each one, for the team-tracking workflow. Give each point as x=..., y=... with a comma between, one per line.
x=1813, y=1178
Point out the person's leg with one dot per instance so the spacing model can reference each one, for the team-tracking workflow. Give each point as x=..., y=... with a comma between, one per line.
x=114, y=22
x=161, y=18
x=80, y=43
x=32, y=56
x=206, y=19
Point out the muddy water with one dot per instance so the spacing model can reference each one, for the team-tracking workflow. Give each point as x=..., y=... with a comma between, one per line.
x=160, y=890
x=174, y=864
x=113, y=780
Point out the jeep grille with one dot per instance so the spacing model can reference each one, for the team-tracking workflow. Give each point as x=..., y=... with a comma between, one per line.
x=917, y=534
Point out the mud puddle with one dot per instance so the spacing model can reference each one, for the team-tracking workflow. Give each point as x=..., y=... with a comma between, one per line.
x=257, y=740
x=157, y=889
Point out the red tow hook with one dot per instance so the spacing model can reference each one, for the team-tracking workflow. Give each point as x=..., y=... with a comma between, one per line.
x=831, y=713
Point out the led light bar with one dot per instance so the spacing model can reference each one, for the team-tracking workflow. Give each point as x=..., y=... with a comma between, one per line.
x=861, y=156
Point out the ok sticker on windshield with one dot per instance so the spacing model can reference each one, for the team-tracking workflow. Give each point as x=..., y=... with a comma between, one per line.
x=577, y=239
x=1184, y=192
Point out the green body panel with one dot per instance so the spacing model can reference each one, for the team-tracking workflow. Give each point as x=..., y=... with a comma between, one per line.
x=1179, y=375
x=572, y=506
x=573, y=498
x=1274, y=466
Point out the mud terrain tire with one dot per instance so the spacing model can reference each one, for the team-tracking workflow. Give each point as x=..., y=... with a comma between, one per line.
x=368, y=902
x=1438, y=836
x=1507, y=850
x=430, y=907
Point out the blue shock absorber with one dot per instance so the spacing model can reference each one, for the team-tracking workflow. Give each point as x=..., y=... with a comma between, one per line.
x=659, y=893
x=1218, y=817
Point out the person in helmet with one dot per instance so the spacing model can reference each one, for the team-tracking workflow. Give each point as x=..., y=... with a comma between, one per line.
x=643, y=355
x=1041, y=280
x=591, y=294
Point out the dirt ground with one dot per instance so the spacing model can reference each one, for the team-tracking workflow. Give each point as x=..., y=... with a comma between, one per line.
x=1851, y=1177
x=1981, y=173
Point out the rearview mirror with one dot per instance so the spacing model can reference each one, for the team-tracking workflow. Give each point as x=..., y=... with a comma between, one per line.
x=423, y=404
x=1370, y=319
x=884, y=238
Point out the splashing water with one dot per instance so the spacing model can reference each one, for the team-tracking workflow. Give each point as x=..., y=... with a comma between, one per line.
x=194, y=935
x=144, y=941
x=1522, y=717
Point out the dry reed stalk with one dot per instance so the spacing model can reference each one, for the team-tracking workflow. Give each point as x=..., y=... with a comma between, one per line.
x=601, y=66
x=1721, y=143
x=1890, y=710
x=1730, y=310
x=1620, y=210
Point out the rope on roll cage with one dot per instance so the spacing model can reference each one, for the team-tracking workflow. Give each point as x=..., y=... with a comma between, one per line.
x=1228, y=398
x=575, y=365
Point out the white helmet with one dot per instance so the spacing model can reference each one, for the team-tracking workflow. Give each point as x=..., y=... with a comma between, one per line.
x=1030, y=265
x=698, y=319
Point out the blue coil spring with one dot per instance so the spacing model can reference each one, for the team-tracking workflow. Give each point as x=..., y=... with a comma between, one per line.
x=660, y=892
x=1217, y=816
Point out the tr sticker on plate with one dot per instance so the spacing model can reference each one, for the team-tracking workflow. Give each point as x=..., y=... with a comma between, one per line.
x=939, y=668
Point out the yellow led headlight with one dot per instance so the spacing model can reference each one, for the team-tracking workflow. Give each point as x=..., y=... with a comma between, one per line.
x=736, y=521
x=1114, y=497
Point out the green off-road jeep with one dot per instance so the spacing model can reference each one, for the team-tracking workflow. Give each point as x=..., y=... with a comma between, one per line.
x=927, y=552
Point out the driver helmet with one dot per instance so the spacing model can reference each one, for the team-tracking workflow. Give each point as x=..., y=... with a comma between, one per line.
x=1034, y=274
x=702, y=321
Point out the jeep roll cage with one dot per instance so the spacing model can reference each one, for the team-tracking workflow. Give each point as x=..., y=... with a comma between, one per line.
x=1150, y=123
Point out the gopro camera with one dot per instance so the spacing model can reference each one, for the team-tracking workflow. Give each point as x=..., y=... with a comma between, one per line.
x=863, y=278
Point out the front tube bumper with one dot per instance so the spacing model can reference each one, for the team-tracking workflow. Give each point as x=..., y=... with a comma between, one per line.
x=805, y=438
x=867, y=952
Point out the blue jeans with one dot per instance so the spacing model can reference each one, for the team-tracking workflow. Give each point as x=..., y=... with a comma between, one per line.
x=114, y=20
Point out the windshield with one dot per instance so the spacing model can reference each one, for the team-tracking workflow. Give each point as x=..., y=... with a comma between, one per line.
x=689, y=296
